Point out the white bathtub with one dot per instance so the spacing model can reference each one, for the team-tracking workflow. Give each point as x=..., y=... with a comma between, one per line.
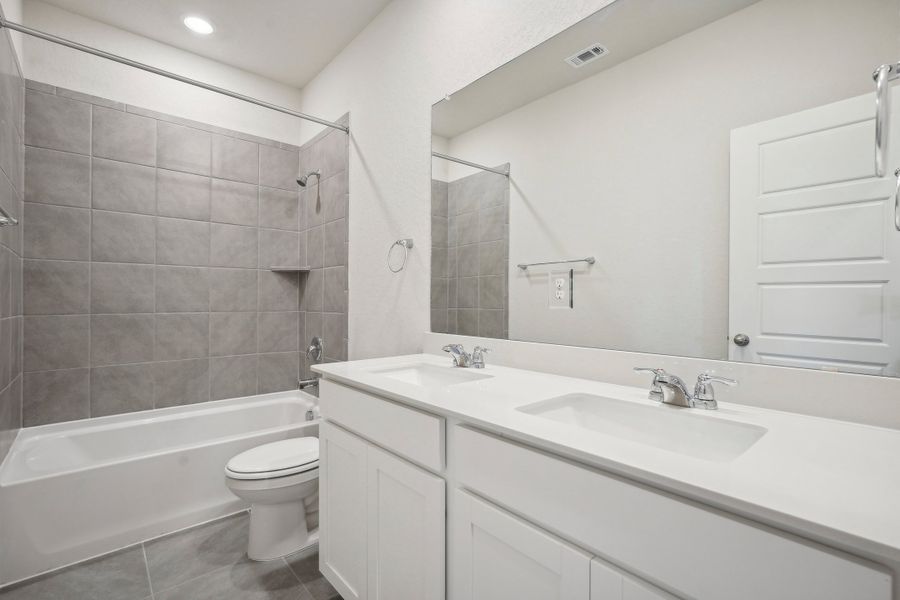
x=70, y=491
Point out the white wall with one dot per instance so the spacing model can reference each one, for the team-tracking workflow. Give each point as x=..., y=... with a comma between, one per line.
x=57, y=65
x=409, y=57
x=641, y=178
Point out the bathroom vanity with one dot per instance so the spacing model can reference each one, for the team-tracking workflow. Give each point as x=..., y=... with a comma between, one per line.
x=531, y=485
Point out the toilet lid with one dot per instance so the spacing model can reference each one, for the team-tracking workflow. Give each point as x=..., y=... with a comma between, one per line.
x=277, y=459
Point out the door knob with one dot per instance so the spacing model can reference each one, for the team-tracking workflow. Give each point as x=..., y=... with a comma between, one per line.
x=741, y=339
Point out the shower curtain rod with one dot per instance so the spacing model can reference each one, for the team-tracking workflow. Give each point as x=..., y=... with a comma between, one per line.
x=144, y=67
x=504, y=172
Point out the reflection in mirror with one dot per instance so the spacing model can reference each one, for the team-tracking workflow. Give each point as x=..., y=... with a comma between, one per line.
x=716, y=158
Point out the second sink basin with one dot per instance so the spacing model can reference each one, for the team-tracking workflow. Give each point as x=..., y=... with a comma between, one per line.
x=430, y=375
x=678, y=430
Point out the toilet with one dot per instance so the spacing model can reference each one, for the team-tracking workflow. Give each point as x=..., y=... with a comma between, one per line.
x=280, y=480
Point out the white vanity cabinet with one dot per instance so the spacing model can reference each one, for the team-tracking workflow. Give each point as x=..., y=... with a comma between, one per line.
x=498, y=557
x=382, y=518
x=609, y=584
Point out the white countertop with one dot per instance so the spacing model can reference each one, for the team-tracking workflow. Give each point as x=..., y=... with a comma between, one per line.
x=828, y=480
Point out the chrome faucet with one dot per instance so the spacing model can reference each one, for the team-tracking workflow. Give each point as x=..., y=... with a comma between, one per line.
x=460, y=357
x=478, y=357
x=671, y=389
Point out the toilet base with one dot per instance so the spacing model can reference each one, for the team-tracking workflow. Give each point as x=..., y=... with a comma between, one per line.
x=277, y=530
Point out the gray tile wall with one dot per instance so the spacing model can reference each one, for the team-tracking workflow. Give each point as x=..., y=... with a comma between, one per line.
x=12, y=153
x=324, y=240
x=148, y=248
x=470, y=261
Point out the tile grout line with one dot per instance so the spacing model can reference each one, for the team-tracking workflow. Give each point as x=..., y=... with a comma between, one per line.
x=147, y=568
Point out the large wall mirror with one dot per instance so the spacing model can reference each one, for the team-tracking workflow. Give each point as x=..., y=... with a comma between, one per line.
x=687, y=177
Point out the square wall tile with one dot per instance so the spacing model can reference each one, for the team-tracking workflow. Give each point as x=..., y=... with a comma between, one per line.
x=232, y=376
x=53, y=177
x=57, y=123
x=279, y=209
x=315, y=247
x=182, y=335
x=312, y=294
x=182, y=195
x=182, y=289
x=122, y=288
x=278, y=372
x=279, y=331
x=234, y=159
x=336, y=290
x=56, y=396
x=121, y=339
x=233, y=246
x=181, y=382
x=335, y=197
x=182, y=242
x=183, y=148
x=279, y=291
x=278, y=168
x=53, y=287
x=121, y=389
x=57, y=232
x=278, y=248
x=232, y=290
x=122, y=237
x=56, y=342
x=232, y=333
x=335, y=243
x=123, y=136
x=124, y=187
x=234, y=203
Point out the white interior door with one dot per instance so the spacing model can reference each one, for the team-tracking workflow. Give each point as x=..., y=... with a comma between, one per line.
x=405, y=530
x=814, y=251
x=500, y=557
x=342, y=511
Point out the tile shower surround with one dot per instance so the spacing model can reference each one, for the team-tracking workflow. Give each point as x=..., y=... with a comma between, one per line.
x=148, y=241
x=12, y=132
x=470, y=256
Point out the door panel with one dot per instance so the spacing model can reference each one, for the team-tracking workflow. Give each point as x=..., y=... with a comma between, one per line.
x=405, y=530
x=500, y=557
x=342, y=512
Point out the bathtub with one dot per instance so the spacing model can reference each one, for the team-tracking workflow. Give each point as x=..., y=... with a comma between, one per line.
x=71, y=491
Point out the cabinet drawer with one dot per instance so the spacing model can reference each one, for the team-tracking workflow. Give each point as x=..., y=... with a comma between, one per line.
x=410, y=433
x=681, y=546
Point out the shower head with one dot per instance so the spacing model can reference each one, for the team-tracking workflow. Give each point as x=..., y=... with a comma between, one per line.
x=303, y=179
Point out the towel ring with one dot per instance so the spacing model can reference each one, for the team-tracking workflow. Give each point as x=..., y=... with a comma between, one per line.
x=406, y=244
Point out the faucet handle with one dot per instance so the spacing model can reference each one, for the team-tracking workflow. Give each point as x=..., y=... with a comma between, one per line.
x=478, y=356
x=704, y=394
x=655, y=391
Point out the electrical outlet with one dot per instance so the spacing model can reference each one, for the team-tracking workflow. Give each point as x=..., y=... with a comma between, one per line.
x=560, y=292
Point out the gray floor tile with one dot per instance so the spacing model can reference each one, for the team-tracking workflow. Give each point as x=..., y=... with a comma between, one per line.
x=245, y=580
x=119, y=576
x=305, y=566
x=183, y=556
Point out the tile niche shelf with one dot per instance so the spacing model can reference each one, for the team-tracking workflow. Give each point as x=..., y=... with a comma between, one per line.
x=290, y=269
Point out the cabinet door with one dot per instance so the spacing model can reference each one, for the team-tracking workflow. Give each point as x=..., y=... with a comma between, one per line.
x=608, y=583
x=405, y=530
x=501, y=557
x=342, y=511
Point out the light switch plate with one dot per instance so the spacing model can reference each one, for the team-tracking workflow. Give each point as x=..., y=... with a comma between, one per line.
x=561, y=288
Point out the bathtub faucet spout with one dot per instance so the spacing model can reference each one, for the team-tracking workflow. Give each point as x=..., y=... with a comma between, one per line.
x=302, y=384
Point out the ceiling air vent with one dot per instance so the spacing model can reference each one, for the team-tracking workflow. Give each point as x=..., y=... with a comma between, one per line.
x=579, y=59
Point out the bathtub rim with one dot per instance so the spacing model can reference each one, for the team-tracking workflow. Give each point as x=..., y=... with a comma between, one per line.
x=50, y=430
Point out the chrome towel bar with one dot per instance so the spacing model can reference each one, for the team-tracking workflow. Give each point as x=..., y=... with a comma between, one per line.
x=589, y=260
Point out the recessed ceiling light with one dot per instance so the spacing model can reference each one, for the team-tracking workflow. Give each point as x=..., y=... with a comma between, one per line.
x=198, y=25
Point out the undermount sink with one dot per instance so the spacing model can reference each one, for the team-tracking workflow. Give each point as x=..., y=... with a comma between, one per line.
x=681, y=430
x=430, y=375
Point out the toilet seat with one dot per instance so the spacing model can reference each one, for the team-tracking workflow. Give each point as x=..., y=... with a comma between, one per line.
x=275, y=460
